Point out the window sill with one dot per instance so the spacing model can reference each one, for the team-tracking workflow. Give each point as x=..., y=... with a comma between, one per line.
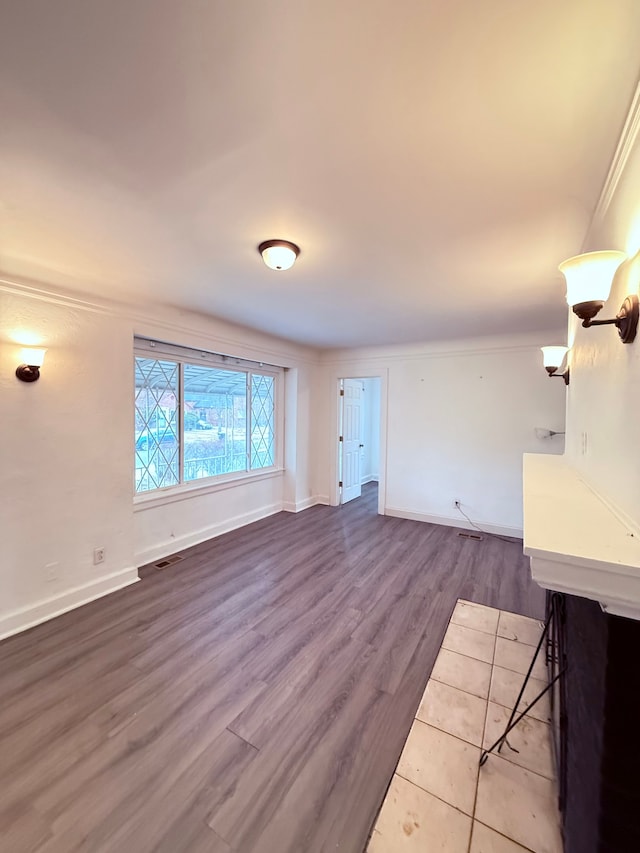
x=198, y=488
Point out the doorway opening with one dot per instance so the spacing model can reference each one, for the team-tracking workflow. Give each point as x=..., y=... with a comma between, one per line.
x=359, y=439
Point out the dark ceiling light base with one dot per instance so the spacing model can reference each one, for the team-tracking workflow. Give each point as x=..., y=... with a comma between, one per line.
x=28, y=372
x=273, y=264
x=553, y=375
x=626, y=320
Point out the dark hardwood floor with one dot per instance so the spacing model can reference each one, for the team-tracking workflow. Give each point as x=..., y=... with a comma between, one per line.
x=254, y=697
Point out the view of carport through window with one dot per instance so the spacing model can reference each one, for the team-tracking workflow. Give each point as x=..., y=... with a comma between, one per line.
x=215, y=403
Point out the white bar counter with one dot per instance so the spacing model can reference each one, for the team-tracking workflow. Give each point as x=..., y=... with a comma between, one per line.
x=576, y=541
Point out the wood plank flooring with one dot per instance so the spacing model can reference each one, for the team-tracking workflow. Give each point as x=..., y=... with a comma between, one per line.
x=254, y=697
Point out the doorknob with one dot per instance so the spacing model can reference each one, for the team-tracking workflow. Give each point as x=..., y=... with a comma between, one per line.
x=361, y=445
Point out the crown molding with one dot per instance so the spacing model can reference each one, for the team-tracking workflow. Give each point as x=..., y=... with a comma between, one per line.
x=491, y=345
x=54, y=297
x=626, y=142
x=178, y=330
x=155, y=323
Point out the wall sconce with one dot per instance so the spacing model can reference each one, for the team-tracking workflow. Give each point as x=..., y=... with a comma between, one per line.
x=552, y=358
x=32, y=358
x=589, y=278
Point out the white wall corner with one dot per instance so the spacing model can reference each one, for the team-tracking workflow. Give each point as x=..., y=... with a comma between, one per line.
x=47, y=608
x=306, y=503
x=212, y=531
x=450, y=521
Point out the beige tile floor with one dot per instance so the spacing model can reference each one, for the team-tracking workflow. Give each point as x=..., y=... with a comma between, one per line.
x=439, y=798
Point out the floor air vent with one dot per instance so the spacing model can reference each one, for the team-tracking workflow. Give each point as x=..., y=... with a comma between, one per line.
x=169, y=561
x=476, y=536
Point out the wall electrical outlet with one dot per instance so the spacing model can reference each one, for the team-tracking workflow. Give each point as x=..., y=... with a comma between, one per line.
x=51, y=571
x=98, y=556
x=456, y=504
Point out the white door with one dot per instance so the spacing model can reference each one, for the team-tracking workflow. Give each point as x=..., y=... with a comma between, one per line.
x=351, y=439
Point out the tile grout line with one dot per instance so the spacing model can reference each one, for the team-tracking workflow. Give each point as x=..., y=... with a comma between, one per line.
x=456, y=652
x=486, y=714
x=508, y=708
x=461, y=689
x=502, y=835
x=496, y=637
x=474, y=819
x=527, y=769
x=431, y=794
x=444, y=731
x=469, y=628
x=516, y=640
x=417, y=720
x=492, y=665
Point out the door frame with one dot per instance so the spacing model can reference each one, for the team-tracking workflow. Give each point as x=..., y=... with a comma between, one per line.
x=372, y=373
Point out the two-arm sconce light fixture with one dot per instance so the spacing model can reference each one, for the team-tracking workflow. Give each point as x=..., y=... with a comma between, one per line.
x=32, y=358
x=589, y=279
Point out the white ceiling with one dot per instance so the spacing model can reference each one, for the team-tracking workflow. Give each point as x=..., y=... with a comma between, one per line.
x=434, y=159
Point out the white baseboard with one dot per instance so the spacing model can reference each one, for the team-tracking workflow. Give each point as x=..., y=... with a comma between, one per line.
x=370, y=478
x=299, y=506
x=47, y=608
x=451, y=521
x=179, y=543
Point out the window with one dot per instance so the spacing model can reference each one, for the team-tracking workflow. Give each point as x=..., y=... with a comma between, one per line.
x=157, y=462
x=195, y=421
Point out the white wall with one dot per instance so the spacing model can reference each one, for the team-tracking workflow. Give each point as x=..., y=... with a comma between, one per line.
x=457, y=418
x=300, y=383
x=604, y=398
x=66, y=459
x=370, y=430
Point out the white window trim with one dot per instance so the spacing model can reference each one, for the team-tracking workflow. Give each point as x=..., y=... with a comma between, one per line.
x=146, y=348
x=204, y=486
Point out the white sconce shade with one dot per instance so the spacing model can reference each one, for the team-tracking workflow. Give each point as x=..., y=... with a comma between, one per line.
x=32, y=359
x=589, y=277
x=33, y=356
x=279, y=254
x=553, y=356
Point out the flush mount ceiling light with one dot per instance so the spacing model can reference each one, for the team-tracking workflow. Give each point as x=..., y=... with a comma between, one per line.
x=32, y=358
x=589, y=278
x=552, y=358
x=279, y=254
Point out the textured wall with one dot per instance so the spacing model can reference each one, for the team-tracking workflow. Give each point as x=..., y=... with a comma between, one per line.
x=603, y=410
x=66, y=459
x=458, y=417
x=66, y=449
